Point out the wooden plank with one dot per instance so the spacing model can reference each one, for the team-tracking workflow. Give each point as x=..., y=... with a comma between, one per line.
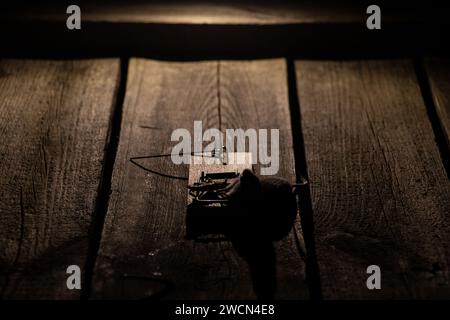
x=145, y=226
x=231, y=28
x=254, y=95
x=218, y=13
x=438, y=70
x=54, y=118
x=380, y=193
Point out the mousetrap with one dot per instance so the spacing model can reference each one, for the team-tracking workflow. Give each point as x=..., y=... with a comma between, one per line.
x=210, y=177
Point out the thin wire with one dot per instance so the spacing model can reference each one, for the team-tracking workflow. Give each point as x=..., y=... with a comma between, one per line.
x=132, y=160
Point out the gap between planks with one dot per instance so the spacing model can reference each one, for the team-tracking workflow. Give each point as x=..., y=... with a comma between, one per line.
x=430, y=75
x=54, y=120
x=380, y=193
x=104, y=192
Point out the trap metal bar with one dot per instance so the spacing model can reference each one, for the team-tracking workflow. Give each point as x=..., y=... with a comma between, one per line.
x=208, y=175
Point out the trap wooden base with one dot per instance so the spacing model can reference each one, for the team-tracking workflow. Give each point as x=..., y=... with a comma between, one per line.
x=235, y=162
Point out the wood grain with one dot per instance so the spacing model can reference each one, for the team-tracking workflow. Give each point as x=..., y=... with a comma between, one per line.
x=254, y=94
x=438, y=70
x=143, y=252
x=193, y=29
x=215, y=12
x=380, y=192
x=54, y=118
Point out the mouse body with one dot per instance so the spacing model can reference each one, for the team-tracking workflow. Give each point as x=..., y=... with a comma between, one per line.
x=261, y=207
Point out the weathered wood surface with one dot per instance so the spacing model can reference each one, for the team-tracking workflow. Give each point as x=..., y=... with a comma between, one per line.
x=218, y=13
x=380, y=192
x=219, y=29
x=438, y=70
x=54, y=118
x=144, y=229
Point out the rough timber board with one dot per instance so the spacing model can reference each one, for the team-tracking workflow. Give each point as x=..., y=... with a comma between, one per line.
x=380, y=192
x=54, y=119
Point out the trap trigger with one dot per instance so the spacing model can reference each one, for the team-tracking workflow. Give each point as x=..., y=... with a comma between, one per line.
x=211, y=178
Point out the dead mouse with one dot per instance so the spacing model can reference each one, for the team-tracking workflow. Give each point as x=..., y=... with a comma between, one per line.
x=261, y=207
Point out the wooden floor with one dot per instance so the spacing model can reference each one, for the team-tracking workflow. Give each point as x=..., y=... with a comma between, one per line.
x=371, y=135
x=379, y=190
